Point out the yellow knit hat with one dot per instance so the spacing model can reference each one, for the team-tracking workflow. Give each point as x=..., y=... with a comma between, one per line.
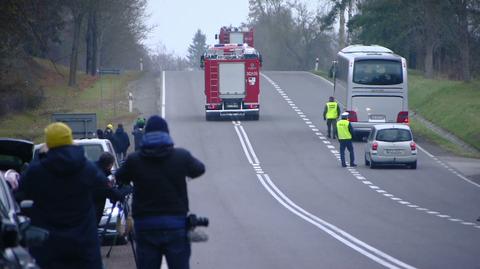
x=110, y=126
x=58, y=134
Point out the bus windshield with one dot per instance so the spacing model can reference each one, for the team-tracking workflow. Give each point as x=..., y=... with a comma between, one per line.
x=377, y=72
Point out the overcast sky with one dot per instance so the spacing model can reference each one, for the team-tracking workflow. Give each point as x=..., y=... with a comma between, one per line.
x=176, y=21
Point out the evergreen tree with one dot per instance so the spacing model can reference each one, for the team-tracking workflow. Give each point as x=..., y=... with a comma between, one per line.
x=197, y=48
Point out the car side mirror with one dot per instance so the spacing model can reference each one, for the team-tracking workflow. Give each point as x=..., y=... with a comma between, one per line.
x=26, y=204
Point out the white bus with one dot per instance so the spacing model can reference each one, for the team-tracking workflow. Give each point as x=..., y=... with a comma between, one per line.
x=371, y=84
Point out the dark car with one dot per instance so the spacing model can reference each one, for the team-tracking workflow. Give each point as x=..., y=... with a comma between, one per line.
x=16, y=233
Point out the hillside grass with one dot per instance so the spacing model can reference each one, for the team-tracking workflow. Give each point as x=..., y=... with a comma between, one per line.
x=451, y=105
x=106, y=96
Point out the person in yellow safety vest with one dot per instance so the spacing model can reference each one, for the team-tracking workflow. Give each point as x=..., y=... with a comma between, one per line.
x=330, y=114
x=344, y=129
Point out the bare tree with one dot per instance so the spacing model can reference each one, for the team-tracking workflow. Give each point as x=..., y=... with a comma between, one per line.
x=78, y=10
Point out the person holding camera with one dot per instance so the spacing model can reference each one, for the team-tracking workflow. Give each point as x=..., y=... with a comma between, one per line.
x=61, y=185
x=160, y=199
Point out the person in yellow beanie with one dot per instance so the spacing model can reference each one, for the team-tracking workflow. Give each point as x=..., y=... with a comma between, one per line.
x=61, y=186
x=58, y=134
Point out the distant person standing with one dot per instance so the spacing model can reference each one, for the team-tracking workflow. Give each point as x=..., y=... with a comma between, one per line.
x=61, y=185
x=330, y=114
x=138, y=131
x=122, y=141
x=100, y=134
x=345, y=132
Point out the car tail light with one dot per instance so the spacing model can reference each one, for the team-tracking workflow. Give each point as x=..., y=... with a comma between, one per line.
x=352, y=116
x=402, y=117
x=413, y=146
x=374, y=146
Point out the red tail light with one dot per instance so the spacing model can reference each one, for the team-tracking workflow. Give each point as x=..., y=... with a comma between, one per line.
x=374, y=146
x=402, y=117
x=413, y=146
x=212, y=106
x=352, y=116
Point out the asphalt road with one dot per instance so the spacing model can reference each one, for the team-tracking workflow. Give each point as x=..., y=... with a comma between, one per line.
x=277, y=196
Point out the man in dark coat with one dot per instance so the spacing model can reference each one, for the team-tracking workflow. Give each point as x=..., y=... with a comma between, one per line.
x=60, y=185
x=160, y=199
x=108, y=134
x=122, y=141
x=105, y=164
x=138, y=131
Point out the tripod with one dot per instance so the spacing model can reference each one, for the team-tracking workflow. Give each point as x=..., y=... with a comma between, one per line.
x=123, y=209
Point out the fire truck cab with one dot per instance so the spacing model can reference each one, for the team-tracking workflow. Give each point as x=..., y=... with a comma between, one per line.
x=235, y=35
x=232, y=81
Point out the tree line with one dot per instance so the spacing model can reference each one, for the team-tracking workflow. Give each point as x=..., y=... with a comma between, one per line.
x=440, y=38
x=86, y=34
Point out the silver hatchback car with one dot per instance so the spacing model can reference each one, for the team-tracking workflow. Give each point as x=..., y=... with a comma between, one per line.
x=391, y=144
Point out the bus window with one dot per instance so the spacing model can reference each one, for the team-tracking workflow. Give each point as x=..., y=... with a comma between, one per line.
x=377, y=72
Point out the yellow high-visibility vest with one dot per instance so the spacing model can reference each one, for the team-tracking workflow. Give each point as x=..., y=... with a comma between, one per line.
x=342, y=130
x=332, y=112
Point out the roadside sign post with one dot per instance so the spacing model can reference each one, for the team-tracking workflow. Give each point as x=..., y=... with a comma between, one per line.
x=130, y=102
x=110, y=71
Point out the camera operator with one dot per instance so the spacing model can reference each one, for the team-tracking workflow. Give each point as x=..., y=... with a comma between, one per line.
x=160, y=199
x=105, y=164
x=60, y=185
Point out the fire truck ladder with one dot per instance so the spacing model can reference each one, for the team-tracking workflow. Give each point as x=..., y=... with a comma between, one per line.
x=214, y=82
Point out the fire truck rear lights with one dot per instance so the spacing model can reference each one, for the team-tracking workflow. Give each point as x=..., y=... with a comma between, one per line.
x=213, y=106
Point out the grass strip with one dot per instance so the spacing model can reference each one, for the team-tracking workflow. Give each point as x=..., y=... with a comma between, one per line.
x=107, y=96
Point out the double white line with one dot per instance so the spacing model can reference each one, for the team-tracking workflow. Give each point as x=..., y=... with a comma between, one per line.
x=356, y=244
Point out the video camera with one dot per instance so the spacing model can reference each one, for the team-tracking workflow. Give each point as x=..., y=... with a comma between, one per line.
x=196, y=235
x=193, y=221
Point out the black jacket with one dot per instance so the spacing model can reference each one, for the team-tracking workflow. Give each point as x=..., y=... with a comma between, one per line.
x=122, y=141
x=61, y=186
x=158, y=172
x=137, y=137
x=101, y=193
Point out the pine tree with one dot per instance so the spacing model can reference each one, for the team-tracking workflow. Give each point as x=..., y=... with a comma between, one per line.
x=197, y=48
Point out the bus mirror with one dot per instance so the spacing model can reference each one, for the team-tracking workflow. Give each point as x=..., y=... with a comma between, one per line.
x=216, y=36
x=202, y=62
x=333, y=70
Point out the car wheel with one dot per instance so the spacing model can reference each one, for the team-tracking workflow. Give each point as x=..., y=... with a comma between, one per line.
x=252, y=116
x=367, y=163
x=413, y=165
x=210, y=116
x=373, y=165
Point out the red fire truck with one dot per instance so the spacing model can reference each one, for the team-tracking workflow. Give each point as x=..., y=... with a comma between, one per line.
x=235, y=35
x=232, y=81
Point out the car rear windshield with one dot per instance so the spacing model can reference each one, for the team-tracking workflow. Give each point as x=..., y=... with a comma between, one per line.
x=394, y=135
x=93, y=152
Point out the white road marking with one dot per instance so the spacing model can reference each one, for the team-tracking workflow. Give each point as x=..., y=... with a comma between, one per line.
x=326, y=142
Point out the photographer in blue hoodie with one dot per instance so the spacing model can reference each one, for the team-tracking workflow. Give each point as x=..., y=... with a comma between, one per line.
x=160, y=199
